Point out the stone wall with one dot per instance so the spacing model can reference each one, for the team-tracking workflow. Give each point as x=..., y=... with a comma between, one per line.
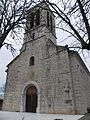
x=60, y=77
x=81, y=83
x=50, y=72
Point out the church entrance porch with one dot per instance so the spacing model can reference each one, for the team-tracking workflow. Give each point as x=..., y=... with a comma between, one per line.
x=31, y=99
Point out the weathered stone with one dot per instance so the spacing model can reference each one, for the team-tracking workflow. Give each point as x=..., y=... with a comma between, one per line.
x=59, y=75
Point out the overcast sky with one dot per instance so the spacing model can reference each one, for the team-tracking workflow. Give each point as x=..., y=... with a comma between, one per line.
x=5, y=58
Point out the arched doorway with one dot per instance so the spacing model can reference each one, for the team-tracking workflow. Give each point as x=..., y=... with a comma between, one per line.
x=31, y=99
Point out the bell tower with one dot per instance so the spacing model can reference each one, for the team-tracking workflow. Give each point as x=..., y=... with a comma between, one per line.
x=40, y=22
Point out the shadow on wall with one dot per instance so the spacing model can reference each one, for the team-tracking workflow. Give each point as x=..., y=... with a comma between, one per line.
x=1, y=102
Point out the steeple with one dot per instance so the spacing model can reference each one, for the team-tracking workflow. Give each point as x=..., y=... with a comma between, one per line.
x=40, y=21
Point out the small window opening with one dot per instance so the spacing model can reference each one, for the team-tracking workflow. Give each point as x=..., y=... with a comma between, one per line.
x=31, y=61
x=33, y=35
x=48, y=19
x=51, y=23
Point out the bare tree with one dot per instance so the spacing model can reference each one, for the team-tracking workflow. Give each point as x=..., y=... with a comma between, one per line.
x=12, y=18
x=74, y=18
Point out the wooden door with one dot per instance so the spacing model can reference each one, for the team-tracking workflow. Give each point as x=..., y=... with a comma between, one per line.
x=31, y=99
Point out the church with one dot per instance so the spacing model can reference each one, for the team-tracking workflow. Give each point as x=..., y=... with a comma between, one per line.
x=46, y=77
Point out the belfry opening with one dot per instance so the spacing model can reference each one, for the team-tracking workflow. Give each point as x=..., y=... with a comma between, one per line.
x=31, y=99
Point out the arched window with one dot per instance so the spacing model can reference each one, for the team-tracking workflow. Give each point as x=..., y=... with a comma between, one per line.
x=32, y=20
x=49, y=21
x=51, y=27
x=31, y=61
x=37, y=21
x=47, y=18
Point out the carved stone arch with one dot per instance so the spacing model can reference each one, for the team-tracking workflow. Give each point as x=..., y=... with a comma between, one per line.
x=23, y=96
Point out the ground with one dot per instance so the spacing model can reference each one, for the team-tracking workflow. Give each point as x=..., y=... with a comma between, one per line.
x=35, y=116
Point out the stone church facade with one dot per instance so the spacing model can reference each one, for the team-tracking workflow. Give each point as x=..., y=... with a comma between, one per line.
x=45, y=77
